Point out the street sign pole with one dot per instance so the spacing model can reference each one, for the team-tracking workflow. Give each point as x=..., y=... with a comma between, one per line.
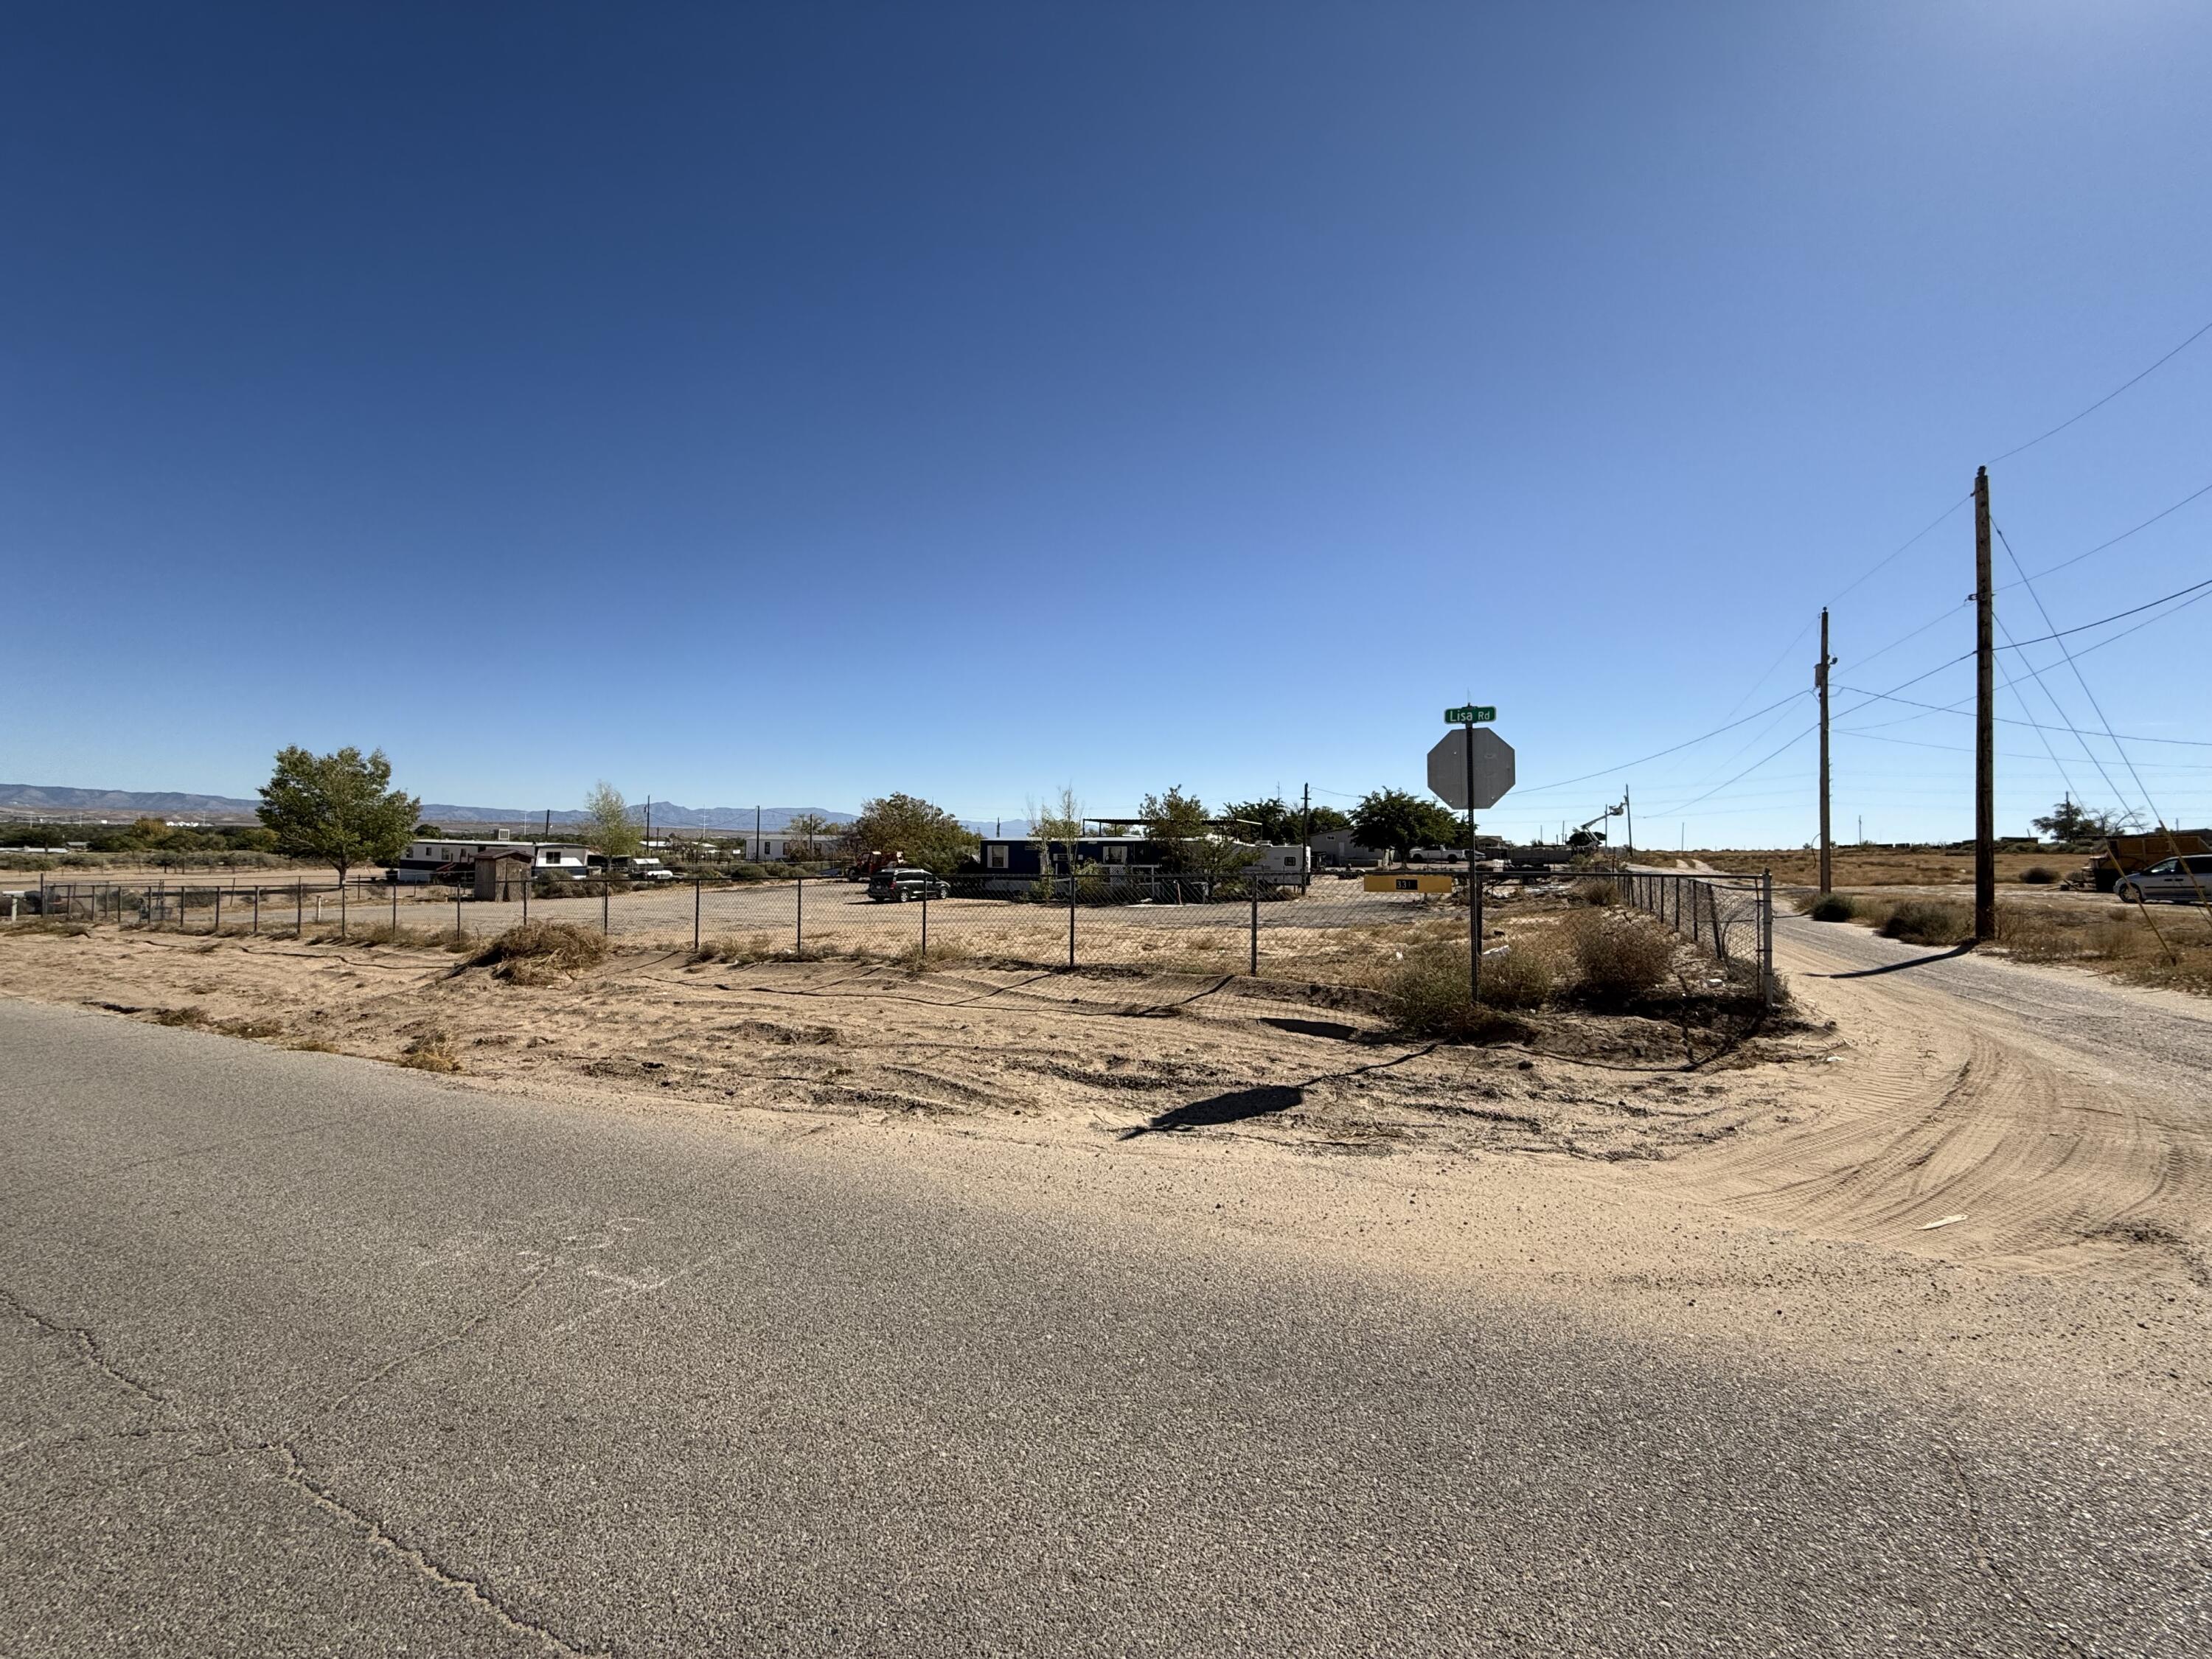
x=1473, y=904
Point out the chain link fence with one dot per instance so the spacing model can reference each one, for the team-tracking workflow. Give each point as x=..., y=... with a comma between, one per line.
x=1333, y=932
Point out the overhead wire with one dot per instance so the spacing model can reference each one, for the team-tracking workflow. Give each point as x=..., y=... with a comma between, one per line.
x=2113, y=541
x=2080, y=679
x=2018, y=449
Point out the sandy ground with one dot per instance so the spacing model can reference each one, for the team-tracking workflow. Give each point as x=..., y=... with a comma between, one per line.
x=2007, y=1170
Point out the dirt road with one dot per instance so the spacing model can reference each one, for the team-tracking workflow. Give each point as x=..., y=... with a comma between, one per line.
x=1978, y=1108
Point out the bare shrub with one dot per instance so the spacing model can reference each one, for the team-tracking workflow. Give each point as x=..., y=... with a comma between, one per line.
x=541, y=952
x=1597, y=892
x=1620, y=956
x=1831, y=907
x=2039, y=875
x=1928, y=921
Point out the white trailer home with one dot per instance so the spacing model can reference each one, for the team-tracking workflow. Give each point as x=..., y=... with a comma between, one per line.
x=454, y=862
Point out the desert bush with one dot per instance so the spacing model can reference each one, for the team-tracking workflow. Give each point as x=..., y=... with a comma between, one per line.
x=1596, y=892
x=541, y=952
x=2039, y=875
x=1620, y=956
x=1928, y=921
x=1831, y=907
x=1519, y=976
x=1427, y=995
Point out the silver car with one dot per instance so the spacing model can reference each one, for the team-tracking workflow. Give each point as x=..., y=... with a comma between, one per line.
x=2186, y=880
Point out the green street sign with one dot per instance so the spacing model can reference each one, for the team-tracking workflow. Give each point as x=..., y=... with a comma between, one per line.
x=1474, y=713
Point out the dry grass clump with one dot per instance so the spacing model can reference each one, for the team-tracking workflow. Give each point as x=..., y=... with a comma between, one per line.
x=1928, y=921
x=541, y=952
x=2039, y=875
x=433, y=1051
x=740, y=952
x=197, y=1019
x=941, y=953
x=1620, y=956
x=1831, y=907
x=51, y=925
x=371, y=935
x=1427, y=995
x=1596, y=892
x=1519, y=976
x=2176, y=952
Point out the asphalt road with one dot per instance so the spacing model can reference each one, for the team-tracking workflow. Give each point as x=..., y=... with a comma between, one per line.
x=306, y=1355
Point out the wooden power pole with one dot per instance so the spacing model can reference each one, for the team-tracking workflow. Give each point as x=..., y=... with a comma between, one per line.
x=1821, y=680
x=1985, y=723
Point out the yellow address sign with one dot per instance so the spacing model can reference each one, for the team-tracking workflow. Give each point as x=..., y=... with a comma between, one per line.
x=1422, y=883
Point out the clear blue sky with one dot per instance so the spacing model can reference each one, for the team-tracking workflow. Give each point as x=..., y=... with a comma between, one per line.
x=800, y=402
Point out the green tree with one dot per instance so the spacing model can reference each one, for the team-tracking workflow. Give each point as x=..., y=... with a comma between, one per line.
x=2069, y=823
x=1393, y=821
x=810, y=827
x=1187, y=838
x=608, y=828
x=1285, y=824
x=917, y=832
x=339, y=808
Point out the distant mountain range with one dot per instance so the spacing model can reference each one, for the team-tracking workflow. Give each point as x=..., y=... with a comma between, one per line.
x=30, y=799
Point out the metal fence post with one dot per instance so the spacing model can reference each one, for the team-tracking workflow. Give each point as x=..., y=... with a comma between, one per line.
x=1256, y=930
x=925, y=927
x=342, y=907
x=217, y=926
x=299, y=908
x=695, y=913
x=606, y=900
x=256, y=910
x=530, y=882
x=1474, y=905
x=799, y=936
x=43, y=911
x=457, y=934
x=1766, y=937
x=1070, y=911
x=395, y=904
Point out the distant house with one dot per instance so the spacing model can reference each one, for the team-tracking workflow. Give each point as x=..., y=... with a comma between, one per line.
x=1337, y=846
x=1013, y=862
x=454, y=862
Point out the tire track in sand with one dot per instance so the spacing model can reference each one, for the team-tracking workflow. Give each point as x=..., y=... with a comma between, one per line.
x=2048, y=1156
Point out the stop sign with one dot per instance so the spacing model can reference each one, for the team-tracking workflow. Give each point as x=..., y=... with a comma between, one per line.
x=1493, y=768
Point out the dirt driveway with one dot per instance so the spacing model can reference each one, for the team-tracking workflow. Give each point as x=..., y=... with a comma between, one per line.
x=1978, y=1108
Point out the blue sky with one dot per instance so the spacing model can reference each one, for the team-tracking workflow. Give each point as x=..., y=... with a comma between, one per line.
x=796, y=403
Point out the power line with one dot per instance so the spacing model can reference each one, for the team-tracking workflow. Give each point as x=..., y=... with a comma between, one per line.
x=1888, y=559
x=2083, y=628
x=2083, y=681
x=2114, y=542
x=2107, y=398
x=1606, y=771
x=1939, y=709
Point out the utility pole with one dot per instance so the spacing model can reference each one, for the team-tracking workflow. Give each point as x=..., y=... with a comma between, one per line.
x=1628, y=812
x=1820, y=681
x=1986, y=727
x=1305, y=834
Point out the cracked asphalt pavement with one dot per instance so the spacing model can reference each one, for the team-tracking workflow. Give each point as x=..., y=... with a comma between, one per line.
x=307, y=1355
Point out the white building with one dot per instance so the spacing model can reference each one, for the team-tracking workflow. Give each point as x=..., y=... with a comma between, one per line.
x=439, y=858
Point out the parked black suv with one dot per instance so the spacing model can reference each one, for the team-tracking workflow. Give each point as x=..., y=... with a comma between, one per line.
x=902, y=882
